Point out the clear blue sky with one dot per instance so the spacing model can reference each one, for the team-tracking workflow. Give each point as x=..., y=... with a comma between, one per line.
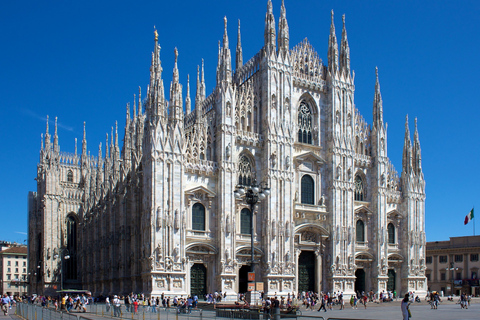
x=84, y=60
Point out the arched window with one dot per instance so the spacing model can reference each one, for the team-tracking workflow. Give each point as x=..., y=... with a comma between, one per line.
x=245, y=221
x=391, y=233
x=359, y=189
x=308, y=188
x=70, y=176
x=71, y=263
x=305, y=123
x=246, y=175
x=198, y=217
x=360, y=231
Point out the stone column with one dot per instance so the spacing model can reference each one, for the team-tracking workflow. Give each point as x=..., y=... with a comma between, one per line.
x=318, y=270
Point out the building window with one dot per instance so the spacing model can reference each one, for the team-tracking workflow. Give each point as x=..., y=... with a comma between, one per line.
x=24, y=270
x=391, y=233
x=474, y=275
x=459, y=276
x=245, y=221
x=443, y=259
x=459, y=258
x=428, y=276
x=9, y=263
x=359, y=189
x=442, y=276
x=24, y=263
x=70, y=176
x=16, y=269
x=198, y=217
x=308, y=190
x=9, y=277
x=474, y=257
x=16, y=263
x=305, y=123
x=428, y=259
x=360, y=231
x=9, y=270
x=70, y=270
x=246, y=175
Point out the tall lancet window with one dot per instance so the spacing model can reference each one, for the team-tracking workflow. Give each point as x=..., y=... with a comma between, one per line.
x=70, y=268
x=246, y=175
x=305, y=123
x=359, y=189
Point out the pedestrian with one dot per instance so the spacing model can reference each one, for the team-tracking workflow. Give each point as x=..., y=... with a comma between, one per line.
x=405, y=307
x=116, y=306
x=107, y=304
x=322, y=306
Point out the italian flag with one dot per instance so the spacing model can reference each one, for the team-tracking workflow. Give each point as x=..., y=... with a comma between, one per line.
x=469, y=217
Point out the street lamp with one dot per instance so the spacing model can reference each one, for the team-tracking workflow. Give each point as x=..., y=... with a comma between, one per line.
x=252, y=195
x=453, y=269
x=64, y=254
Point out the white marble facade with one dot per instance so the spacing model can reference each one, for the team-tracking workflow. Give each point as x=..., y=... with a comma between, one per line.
x=132, y=217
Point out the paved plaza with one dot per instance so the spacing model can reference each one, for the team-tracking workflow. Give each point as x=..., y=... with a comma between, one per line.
x=446, y=311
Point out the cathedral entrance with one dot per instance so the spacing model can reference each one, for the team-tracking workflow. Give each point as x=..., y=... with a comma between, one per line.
x=360, y=281
x=243, y=279
x=392, y=277
x=198, y=280
x=306, y=271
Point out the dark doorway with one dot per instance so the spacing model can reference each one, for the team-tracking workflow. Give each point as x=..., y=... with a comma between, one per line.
x=360, y=281
x=392, y=277
x=306, y=271
x=243, y=279
x=198, y=280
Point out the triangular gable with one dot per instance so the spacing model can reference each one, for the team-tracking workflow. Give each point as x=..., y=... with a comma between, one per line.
x=309, y=156
x=362, y=208
x=201, y=189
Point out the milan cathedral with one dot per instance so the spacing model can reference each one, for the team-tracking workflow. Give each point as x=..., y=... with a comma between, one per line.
x=158, y=214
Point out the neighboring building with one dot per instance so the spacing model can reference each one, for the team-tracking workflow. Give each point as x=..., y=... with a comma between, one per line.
x=454, y=264
x=158, y=214
x=13, y=268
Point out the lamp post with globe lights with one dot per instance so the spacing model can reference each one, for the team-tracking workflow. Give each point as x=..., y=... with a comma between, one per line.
x=63, y=254
x=252, y=194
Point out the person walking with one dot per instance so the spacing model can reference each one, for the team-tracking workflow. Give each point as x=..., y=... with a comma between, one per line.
x=322, y=306
x=116, y=306
x=107, y=304
x=405, y=307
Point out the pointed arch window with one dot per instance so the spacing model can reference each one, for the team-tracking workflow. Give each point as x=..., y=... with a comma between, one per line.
x=246, y=175
x=305, y=123
x=308, y=188
x=360, y=231
x=71, y=263
x=198, y=217
x=245, y=221
x=70, y=176
x=359, y=189
x=391, y=233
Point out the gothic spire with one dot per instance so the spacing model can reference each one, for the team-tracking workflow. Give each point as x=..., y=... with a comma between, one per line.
x=41, y=141
x=269, y=34
x=56, y=147
x=47, y=138
x=107, y=153
x=203, y=88
x=283, y=34
x=156, y=90
x=134, y=107
x=332, y=49
x=344, y=50
x=117, y=150
x=239, y=54
x=139, y=100
x=188, y=102
x=75, y=146
x=224, y=70
x=84, y=141
x=407, y=150
x=377, y=103
x=176, y=102
x=417, y=151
